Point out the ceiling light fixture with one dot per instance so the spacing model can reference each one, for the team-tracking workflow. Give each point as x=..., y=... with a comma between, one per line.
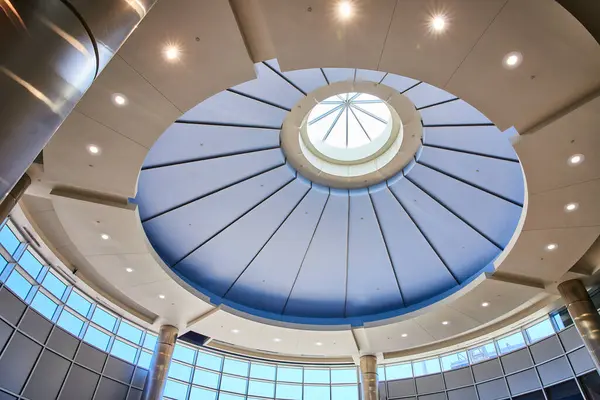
x=119, y=99
x=404, y=335
x=576, y=159
x=235, y=331
x=319, y=344
x=551, y=247
x=277, y=340
x=104, y=236
x=445, y=322
x=485, y=304
x=438, y=23
x=571, y=207
x=345, y=9
x=129, y=269
x=161, y=296
x=172, y=52
x=512, y=60
x=93, y=149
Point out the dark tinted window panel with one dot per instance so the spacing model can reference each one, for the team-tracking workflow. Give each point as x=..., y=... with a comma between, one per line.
x=119, y=370
x=523, y=382
x=433, y=396
x=487, y=370
x=546, y=349
x=570, y=338
x=516, y=361
x=458, y=378
x=139, y=378
x=404, y=387
x=5, y=332
x=554, y=371
x=6, y=396
x=80, y=384
x=493, y=390
x=90, y=357
x=564, y=391
x=11, y=308
x=581, y=361
x=48, y=377
x=110, y=390
x=63, y=342
x=591, y=385
x=134, y=394
x=467, y=393
x=430, y=384
x=531, y=396
x=17, y=361
x=35, y=326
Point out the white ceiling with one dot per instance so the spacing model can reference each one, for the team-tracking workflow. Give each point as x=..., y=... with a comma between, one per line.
x=561, y=64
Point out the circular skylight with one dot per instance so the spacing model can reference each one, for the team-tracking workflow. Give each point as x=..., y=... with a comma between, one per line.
x=349, y=126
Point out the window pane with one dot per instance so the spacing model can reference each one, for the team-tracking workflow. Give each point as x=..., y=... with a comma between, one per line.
x=9, y=240
x=123, y=351
x=227, y=396
x=3, y=263
x=345, y=376
x=209, y=361
x=42, y=304
x=316, y=375
x=289, y=374
x=150, y=341
x=104, y=319
x=144, y=360
x=232, y=384
x=454, y=361
x=264, y=389
x=426, y=367
x=202, y=394
x=97, y=338
x=398, y=371
x=291, y=392
x=180, y=371
x=316, y=392
x=539, y=331
x=482, y=353
x=78, y=303
x=54, y=285
x=235, y=367
x=344, y=392
x=18, y=284
x=205, y=378
x=175, y=390
x=510, y=343
x=129, y=332
x=70, y=322
x=381, y=373
x=184, y=354
x=30, y=264
x=262, y=371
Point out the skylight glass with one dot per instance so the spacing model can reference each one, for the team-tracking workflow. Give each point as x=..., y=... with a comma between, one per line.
x=348, y=120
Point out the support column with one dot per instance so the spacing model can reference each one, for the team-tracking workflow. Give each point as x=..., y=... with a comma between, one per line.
x=369, y=379
x=12, y=198
x=584, y=315
x=51, y=52
x=159, y=366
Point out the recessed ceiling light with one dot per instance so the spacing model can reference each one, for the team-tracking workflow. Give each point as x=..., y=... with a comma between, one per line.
x=104, y=236
x=172, y=52
x=438, y=23
x=576, y=159
x=404, y=335
x=119, y=99
x=235, y=331
x=485, y=304
x=445, y=322
x=345, y=9
x=571, y=207
x=277, y=340
x=129, y=269
x=512, y=60
x=551, y=247
x=161, y=296
x=93, y=149
x=319, y=344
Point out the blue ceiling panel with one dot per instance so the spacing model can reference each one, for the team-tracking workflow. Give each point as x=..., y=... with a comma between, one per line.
x=487, y=140
x=339, y=74
x=320, y=288
x=367, y=75
x=494, y=217
x=271, y=87
x=424, y=95
x=220, y=262
x=504, y=178
x=267, y=282
x=463, y=250
x=306, y=79
x=372, y=284
x=194, y=223
x=452, y=113
x=186, y=142
x=188, y=181
x=420, y=271
x=234, y=109
x=400, y=83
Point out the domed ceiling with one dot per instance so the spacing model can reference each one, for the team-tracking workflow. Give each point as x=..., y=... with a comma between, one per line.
x=244, y=220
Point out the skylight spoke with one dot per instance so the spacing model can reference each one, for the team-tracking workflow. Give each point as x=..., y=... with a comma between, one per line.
x=333, y=125
x=320, y=117
x=361, y=125
x=369, y=114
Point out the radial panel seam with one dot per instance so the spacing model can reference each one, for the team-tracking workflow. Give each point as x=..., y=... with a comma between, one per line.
x=284, y=78
x=474, y=153
x=227, y=124
x=269, y=103
x=439, y=103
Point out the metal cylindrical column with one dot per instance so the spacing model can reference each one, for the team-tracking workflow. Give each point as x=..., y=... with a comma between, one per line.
x=159, y=366
x=584, y=315
x=369, y=379
x=12, y=198
x=50, y=53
